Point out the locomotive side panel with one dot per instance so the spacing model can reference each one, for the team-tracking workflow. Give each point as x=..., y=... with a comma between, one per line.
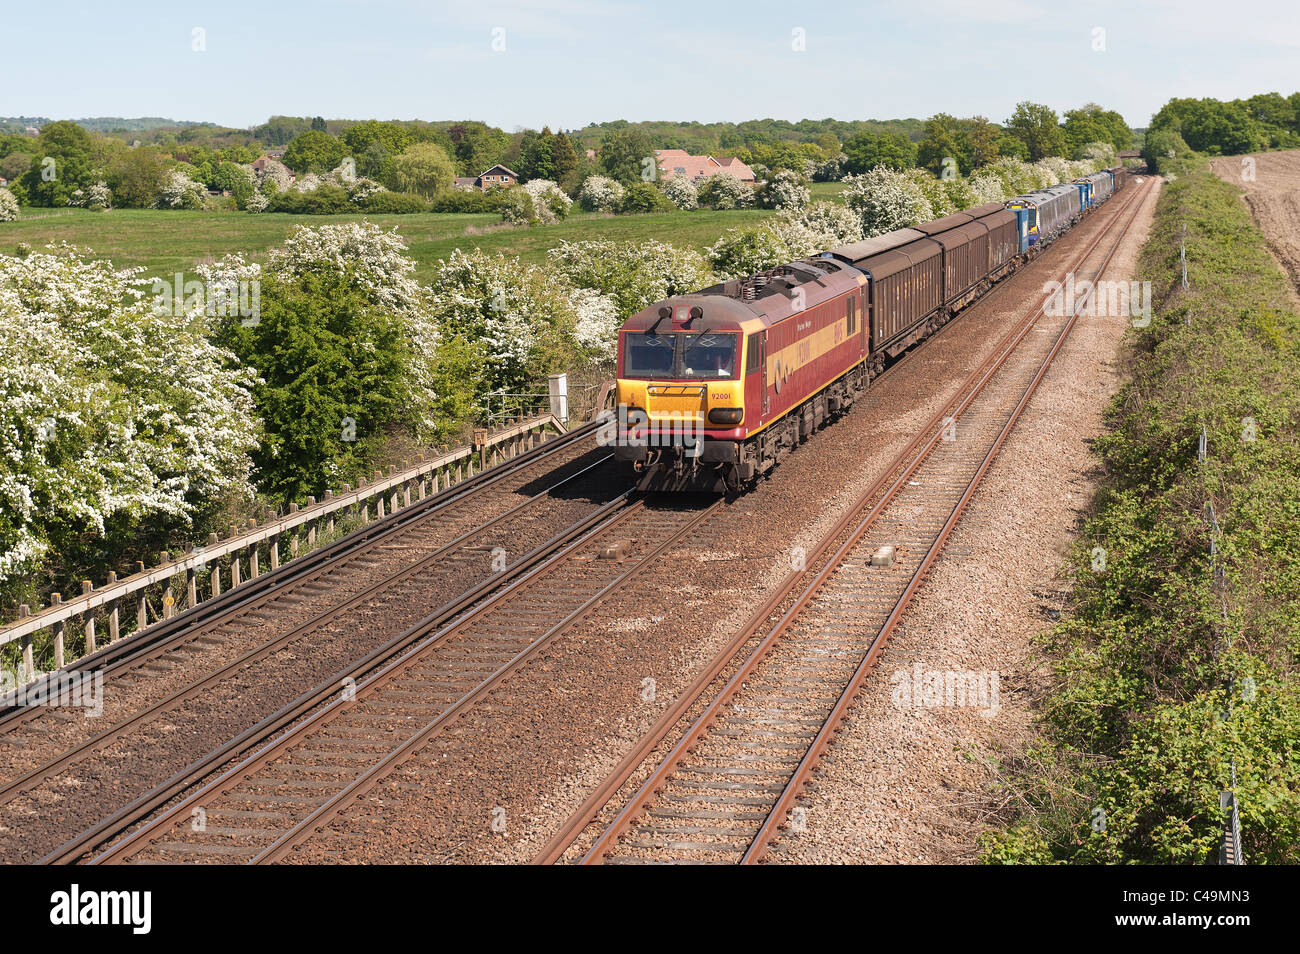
x=811, y=349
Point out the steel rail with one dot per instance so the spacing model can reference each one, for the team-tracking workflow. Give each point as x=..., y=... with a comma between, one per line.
x=36, y=775
x=393, y=669
x=840, y=712
x=163, y=635
x=795, y=786
x=258, y=733
x=913, y=452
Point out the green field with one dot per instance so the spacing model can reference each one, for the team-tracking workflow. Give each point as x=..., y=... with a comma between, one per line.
x=826, y=191
x=167, y=242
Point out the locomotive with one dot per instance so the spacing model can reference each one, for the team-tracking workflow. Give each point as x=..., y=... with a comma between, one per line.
x=715, y=387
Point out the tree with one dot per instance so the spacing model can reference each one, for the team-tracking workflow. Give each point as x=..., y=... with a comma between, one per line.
x=137, y=176
x=644, y=197
x=867, y=150
x=982, y=139
x=722, y=191
x=318, y=123
x=314, y=151
x=120, y=422
x=535, y=155
x=359, y=137
x=627, y=156
x=1091, y=123
x=15, y=164
x=64, y=162
x=942, y=147
x=477, y=147
x=423, y=168
x=376, y=162
x=1037, y=127
x=333, y=367
x=564, y=157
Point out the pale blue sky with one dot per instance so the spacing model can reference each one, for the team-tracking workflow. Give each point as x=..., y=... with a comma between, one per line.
x=570, y=62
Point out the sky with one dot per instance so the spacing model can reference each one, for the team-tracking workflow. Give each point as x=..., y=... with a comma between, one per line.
x=569, y=63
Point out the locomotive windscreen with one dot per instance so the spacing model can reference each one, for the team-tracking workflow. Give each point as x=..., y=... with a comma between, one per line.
x=648, y=356
x=690, y=355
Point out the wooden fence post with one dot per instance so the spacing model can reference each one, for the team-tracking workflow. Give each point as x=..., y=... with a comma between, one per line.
x=86, y=587
x=55, y=600
x=28, y=665
x=113, y=619
x=141, y=604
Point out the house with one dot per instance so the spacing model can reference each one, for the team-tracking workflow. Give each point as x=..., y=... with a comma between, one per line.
x=498, y=175
x=260, y=163
x=737, y=168
x=465, y=183
x=678, y=162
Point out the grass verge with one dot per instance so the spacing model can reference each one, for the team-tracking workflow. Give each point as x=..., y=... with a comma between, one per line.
x=1171, y=675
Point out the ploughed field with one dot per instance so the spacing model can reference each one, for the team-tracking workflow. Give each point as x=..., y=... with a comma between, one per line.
x=1272, y=184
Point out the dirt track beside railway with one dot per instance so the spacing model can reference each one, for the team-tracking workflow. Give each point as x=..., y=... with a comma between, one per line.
x=1272, y=184
x=908, y=783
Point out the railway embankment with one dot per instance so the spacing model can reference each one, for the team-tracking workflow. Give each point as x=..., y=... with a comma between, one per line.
x=1173, y=695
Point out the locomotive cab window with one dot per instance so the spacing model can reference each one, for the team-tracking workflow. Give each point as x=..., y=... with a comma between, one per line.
x=691, y=355
x=646, y=356
x=850, y=316
x=708, y=356
x=752, y=354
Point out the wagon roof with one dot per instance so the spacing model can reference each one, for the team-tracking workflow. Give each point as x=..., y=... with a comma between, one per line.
x=895, y=260
x=874, y=246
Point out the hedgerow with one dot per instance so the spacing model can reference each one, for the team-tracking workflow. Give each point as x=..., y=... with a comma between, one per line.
x=1166, y=680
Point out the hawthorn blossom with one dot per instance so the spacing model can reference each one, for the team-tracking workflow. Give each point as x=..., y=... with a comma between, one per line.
x=600, y=194
x=634, y=274
x=681, y=191
x=108, y=410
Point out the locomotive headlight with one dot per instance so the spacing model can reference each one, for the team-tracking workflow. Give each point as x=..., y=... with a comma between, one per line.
x=726, y=415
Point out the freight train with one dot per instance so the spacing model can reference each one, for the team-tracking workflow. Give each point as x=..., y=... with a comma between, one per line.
x=715, y=387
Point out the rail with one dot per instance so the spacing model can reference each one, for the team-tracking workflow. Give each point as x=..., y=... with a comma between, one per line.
x=299, y=531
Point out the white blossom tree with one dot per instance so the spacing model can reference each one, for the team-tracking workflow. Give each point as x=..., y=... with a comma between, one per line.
x=886, y=200
x=179, y=191
x=8, y=206
x=681, y=192
x=600, y=194
x=722, y=190
x=111, y=413
x=744, y=251
x=784, y=190
x=634, y=274
x=597, y=319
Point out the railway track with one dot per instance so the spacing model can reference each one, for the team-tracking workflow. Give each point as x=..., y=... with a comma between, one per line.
x=731, y=781
x=286, y=791
x=515, y=472
x=193, y=698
